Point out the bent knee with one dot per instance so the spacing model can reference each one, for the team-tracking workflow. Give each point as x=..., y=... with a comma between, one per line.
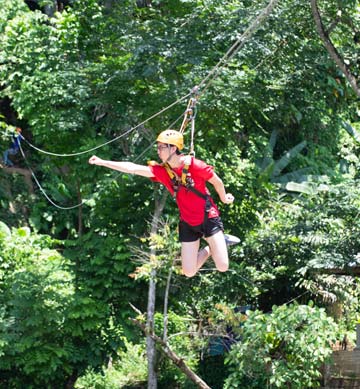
x=222, y=267
x=189, y=272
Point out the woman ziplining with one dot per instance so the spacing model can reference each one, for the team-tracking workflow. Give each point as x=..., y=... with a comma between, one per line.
x=185, y=178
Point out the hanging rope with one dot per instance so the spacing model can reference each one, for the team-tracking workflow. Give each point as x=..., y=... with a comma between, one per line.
x=41, y=188
x=189, y=117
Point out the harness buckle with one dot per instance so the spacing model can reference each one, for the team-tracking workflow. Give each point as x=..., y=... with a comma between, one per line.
x=207, y=205
x=189, y=181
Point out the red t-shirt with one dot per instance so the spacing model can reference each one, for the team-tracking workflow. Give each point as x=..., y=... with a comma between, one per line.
x=191, y=206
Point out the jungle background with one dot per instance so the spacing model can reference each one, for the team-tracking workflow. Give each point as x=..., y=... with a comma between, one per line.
x=89, y=255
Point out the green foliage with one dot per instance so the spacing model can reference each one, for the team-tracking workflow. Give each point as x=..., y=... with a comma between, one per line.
x=90, y=73
x=130, y=369
x=36, y=291
x=103, y=266
x=286, y=347
x=50, y=328
x=293, y=181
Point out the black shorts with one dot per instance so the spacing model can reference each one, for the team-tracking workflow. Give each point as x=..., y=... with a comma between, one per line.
x=189, y=233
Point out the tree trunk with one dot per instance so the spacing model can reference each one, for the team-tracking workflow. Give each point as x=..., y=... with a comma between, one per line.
x=166, y=300
x=72, y=380
x=108, y=4
x=334, y=54
x=150, y=343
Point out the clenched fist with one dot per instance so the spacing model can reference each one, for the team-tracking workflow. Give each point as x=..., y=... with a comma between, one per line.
x=94, y=160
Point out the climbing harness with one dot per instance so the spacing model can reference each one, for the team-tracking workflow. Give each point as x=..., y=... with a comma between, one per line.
x=187, y=182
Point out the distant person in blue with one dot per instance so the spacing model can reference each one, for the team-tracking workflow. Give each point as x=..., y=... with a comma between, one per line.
x=14, y=148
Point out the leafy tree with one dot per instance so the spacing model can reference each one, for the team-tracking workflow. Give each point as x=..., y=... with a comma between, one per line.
x=286, y=348
x=51, y=330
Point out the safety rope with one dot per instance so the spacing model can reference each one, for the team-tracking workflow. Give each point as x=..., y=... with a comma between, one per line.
x=112, y=140
x=42, y=189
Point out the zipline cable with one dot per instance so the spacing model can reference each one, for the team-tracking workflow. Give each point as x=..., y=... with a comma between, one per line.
x=213, y=74
x=234, y=49
x=112, y=140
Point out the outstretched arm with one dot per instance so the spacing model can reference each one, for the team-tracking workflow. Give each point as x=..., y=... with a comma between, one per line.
x=216, y=181
x=124, y=167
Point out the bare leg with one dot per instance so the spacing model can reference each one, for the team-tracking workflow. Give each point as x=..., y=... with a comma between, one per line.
x=193, y=259
x=219, y=251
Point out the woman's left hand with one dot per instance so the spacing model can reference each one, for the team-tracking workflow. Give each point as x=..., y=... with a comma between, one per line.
x=229, y=198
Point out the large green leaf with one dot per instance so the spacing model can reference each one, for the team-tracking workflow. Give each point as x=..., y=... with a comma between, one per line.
x=310, y=188
x=287, y=158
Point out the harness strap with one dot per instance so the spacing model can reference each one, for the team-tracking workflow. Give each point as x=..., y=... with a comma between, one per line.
x=188, y=183
x=208, y=204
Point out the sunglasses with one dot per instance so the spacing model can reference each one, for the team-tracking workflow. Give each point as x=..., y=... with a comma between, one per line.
x=162, y=147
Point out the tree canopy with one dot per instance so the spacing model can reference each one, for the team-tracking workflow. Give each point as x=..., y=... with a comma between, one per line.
x=280, y=124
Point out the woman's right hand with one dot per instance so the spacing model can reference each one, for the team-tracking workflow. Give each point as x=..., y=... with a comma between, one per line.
x=94, y=160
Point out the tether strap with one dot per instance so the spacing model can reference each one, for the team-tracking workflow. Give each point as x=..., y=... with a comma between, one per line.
x=189, y=116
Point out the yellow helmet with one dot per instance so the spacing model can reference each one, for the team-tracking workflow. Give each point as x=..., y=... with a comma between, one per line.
x=171, y=137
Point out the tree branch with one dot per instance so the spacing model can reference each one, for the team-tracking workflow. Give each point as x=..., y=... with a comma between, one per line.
x=179, y=362
x=24, y=172
x=334, y=54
